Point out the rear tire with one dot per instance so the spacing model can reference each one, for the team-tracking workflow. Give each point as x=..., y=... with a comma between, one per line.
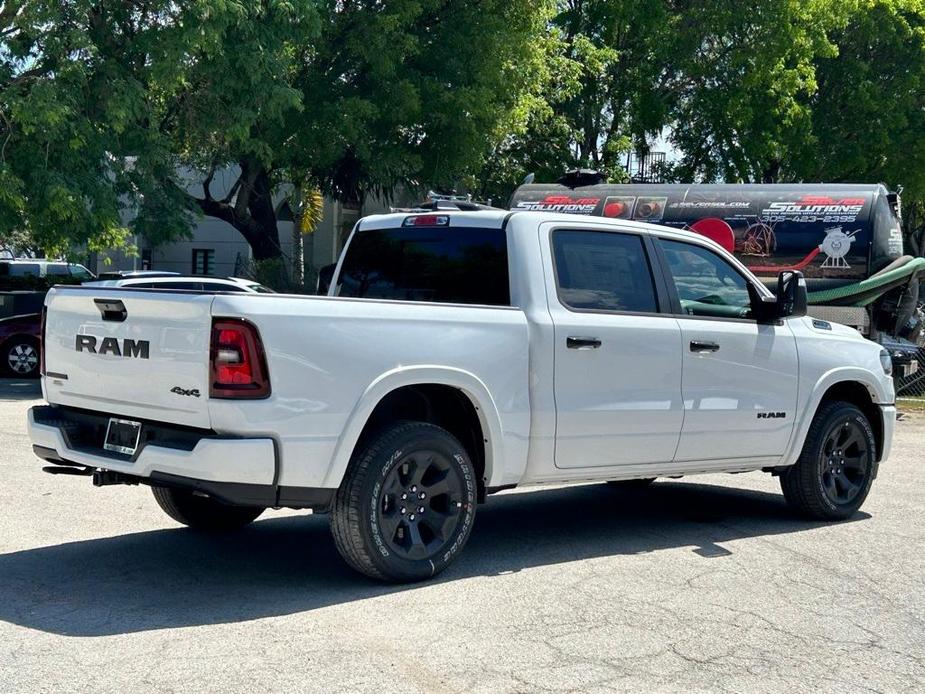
x=833, y=475
x=20, y=357
x=376, y=517
x=203, y=513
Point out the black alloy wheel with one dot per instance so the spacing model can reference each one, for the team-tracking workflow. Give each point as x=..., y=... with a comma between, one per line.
x=845, y=462
x=420, y=504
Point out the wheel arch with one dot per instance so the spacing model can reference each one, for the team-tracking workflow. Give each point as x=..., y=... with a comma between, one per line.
x=28, y=337
x=854, y=386
x=452, y=398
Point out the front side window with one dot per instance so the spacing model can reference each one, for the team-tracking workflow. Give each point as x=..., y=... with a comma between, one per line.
x=459, y=265
x=57, y=269
x=219, y=287
x=603, y=271
x=707, y=285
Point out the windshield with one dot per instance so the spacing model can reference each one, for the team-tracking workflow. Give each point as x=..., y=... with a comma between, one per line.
x=259, y=288
x=462, y=265
x=80, y=272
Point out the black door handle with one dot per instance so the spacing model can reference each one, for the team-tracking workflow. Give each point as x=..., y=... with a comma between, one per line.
x=699, y=346
x=582, y=342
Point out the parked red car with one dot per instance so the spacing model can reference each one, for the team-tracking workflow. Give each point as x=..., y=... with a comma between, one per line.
x=20, y=337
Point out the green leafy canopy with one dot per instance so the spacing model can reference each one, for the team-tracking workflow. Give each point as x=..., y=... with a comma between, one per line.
x=147, y=114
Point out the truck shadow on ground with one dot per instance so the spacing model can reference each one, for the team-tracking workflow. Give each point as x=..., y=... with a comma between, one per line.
x=12, y=389
x=178, y=577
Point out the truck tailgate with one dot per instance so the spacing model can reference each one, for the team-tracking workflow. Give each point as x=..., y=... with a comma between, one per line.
x=139, y=354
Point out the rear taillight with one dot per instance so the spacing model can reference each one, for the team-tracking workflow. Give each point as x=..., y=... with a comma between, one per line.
x=237, y=362
x=42, y=342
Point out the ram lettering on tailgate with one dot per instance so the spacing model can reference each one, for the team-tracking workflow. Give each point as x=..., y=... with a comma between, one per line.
x=139, y=349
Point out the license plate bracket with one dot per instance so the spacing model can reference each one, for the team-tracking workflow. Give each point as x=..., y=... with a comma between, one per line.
x=122, y=436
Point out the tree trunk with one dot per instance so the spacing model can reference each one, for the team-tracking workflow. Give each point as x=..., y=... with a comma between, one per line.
x=298, y=248
x=771, y=173
x=252, y=213
x=265, y=244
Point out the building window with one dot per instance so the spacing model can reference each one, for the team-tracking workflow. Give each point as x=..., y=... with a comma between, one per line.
x=203, y=261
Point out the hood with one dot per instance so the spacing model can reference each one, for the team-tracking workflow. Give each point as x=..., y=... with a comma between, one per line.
x=829, y=328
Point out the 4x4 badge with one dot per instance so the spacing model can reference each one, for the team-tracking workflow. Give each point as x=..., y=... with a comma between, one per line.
x=194, y=392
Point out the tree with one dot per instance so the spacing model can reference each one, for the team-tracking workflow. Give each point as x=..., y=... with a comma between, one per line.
x=57, y=182
x=308, y=212
x=868, y=113
x=727, y=84
x=742, y=97
x=358, y=98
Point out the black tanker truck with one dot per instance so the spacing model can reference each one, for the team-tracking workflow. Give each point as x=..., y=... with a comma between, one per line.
x=845, y=238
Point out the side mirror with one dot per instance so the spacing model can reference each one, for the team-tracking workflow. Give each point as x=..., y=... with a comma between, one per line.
x=791, y=294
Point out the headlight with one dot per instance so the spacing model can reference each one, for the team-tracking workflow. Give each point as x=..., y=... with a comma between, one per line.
x=886, y=362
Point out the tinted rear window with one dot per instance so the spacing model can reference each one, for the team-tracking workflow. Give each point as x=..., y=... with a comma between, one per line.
x=21, y=269
x=603, y=271
x=461, y=265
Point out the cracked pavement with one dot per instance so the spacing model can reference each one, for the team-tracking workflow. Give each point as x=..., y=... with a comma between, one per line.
x=701, y=584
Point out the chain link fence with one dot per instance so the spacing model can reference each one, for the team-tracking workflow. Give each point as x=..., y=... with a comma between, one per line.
x=913, y=385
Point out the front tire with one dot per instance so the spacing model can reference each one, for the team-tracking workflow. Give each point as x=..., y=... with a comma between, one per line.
x=203, y=513
x=407, y=503
x=833, y=475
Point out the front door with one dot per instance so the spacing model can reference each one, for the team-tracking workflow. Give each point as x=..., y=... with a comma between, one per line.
x=740, y=376
x=617, y=359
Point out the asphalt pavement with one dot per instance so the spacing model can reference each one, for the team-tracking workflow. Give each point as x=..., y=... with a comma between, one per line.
x=701, y=584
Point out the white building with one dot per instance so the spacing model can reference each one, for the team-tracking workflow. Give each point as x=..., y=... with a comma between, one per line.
x=216, y=248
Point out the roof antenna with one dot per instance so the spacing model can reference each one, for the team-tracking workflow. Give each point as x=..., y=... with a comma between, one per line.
x=528, y=179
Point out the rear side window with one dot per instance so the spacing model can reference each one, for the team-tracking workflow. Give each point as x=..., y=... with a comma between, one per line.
x=603, y=271
x=24, y=269
x=458, y=265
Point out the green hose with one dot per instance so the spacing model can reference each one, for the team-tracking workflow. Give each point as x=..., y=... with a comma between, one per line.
x=865, y=286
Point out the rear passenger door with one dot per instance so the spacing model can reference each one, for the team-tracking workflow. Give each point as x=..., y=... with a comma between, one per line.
x=617, y=357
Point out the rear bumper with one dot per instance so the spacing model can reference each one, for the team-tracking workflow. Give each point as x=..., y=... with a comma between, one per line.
x=235, y=470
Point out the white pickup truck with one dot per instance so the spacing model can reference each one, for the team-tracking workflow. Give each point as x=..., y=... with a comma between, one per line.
x=458, y=354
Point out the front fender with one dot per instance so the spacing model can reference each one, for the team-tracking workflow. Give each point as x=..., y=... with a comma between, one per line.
x=879, y=394
x=465, y=381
